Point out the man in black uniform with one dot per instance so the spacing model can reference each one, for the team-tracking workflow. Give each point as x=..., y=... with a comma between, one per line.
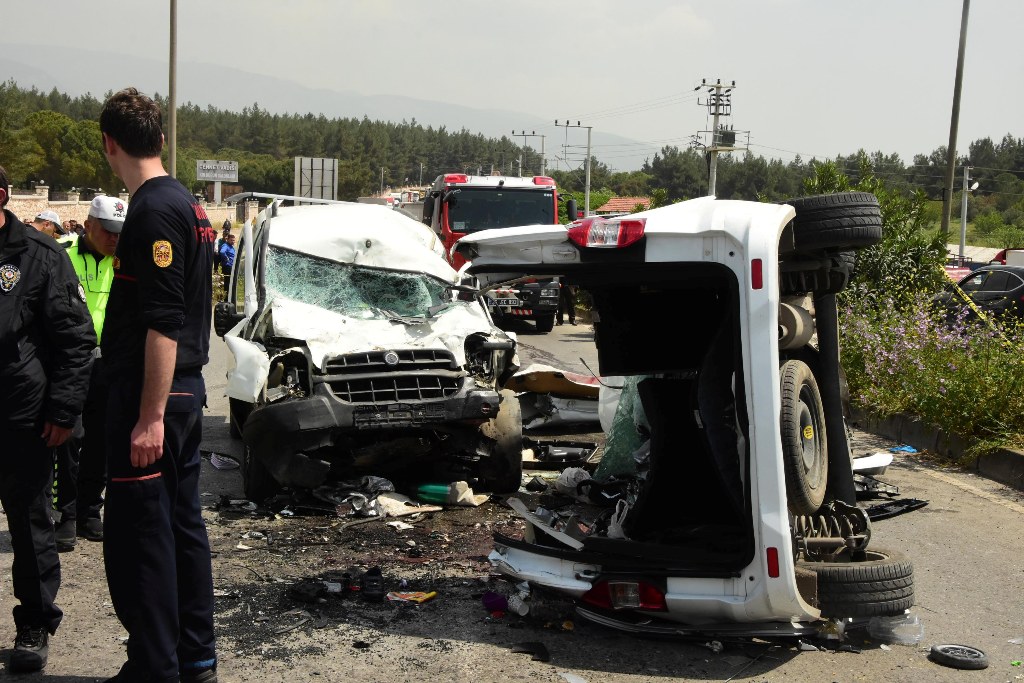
x=156, y=339
x=46, y=343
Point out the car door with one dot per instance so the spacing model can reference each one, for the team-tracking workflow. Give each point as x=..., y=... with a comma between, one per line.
x=245, y=299
x=1000, y=292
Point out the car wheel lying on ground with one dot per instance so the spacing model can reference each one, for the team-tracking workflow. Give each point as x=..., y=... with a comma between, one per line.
x=357, y=350
x=730, y=495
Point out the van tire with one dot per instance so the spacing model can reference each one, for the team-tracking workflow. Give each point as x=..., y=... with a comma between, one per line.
x=502, y=470
x=238, y=413
x=844, y=220
x=880, y=585
x=257, y=481
x=545, y=323
x=804, y=438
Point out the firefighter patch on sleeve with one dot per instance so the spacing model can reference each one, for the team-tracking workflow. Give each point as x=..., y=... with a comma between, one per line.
x=9, y=276
x=162, y=253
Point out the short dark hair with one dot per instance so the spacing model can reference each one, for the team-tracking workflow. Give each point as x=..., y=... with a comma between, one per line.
x=134, y=122
x=5, y=185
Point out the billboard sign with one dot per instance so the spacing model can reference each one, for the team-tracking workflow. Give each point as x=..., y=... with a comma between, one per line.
x=209, y=170
x=316, y=178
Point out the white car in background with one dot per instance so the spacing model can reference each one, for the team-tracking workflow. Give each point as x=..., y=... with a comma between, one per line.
x=356, y=350
x=741, y=514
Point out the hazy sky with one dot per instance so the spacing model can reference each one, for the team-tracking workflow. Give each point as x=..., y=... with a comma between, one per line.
x=814, y=77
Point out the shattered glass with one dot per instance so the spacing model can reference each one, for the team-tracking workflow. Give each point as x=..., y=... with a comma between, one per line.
x=624, y=437
x=354, y=291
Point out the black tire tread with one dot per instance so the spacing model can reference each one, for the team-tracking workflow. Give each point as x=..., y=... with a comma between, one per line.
x=257, y=482
x=843, y=220
x=873, y=588
x=792, y=374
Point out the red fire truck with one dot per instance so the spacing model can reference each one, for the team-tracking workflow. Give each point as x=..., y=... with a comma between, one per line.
x=458, y=204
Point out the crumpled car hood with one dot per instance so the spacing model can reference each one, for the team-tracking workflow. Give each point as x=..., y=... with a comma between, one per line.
x=327, y=333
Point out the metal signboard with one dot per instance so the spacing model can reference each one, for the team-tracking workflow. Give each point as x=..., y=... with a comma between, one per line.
x=210, y=170
x=316, y=177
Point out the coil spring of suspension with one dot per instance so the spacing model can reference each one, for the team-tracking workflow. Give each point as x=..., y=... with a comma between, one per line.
x=836, y=525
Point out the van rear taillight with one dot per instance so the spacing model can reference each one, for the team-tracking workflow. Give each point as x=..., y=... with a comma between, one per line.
x=607, y=233
x=626, y=595
x=453, y=178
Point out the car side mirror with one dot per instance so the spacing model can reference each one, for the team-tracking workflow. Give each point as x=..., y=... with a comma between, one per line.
x=570, y=210
x=428, y=209
x=225, y=317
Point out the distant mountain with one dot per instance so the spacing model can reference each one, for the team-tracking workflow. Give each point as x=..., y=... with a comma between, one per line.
x=76, y=71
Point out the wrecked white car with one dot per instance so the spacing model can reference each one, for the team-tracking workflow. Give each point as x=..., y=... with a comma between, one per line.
x=735, y=509
x=357, y=351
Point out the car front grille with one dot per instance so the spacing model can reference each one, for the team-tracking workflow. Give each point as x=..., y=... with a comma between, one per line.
x=419, y=375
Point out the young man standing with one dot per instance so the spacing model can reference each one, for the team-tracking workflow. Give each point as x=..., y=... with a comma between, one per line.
x=46, y=343
x=82, y=461
x=155, y=342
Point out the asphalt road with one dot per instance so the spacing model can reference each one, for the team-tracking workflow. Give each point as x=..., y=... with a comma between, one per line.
x=965, y=546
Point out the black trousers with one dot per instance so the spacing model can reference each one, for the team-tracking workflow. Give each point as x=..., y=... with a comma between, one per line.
x=26, y=475
x=566, y=303
x=155, y=546
x=82, y=460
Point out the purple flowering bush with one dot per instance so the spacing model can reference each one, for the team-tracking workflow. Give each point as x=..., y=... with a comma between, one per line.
x=964, y=376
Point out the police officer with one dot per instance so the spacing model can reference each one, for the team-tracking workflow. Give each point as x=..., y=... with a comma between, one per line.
x=156, y=339
x=82, y=460
x=46, y=344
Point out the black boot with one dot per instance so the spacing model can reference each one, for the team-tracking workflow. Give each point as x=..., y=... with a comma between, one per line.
x=31, y=646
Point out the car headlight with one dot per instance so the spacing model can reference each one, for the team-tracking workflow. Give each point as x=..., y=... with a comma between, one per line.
x=549, y=292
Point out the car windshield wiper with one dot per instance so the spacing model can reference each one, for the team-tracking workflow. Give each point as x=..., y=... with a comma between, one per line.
x=397, y=318
x=434, y=310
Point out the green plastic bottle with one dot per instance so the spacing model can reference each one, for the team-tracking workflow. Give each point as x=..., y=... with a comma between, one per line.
x=433, y=493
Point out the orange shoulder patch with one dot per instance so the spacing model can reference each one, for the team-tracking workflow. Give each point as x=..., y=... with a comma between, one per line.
x=162, y=253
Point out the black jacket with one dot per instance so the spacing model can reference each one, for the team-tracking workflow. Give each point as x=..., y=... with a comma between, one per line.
x=46, y=333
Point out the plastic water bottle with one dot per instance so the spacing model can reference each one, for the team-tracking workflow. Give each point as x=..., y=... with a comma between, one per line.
x=903, y=629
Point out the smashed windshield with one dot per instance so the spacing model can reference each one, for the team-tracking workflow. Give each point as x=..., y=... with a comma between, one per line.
x=355, y=291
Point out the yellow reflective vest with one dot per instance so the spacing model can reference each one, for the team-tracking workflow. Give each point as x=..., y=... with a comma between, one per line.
x=96, y=273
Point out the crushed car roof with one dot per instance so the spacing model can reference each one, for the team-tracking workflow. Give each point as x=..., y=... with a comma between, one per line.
x=361, y=234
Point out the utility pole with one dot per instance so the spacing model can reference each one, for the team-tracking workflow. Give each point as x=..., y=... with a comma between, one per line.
x=381, y=181
x=719, y=104
x=172, y=90
x=947, y=188
x=586, y=182
x=421, y=173
x=963, y=210
x=533, y=134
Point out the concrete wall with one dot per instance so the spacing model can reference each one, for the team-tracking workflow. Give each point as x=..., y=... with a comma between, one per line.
x=28, y=206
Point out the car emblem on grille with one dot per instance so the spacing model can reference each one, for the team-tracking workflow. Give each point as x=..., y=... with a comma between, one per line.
x=391, y=358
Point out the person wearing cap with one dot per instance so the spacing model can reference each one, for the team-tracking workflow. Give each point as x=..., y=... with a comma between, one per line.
x=49, y=223
x=46, y=343
x=81, y=466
